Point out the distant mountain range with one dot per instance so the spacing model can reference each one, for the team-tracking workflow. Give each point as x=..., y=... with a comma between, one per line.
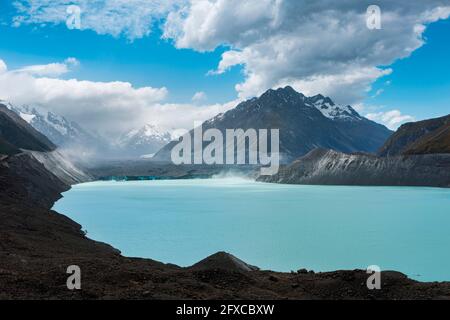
x=305, y=123
x=70, y=137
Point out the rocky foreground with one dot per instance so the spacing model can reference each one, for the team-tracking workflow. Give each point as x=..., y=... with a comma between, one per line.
x=37, y=245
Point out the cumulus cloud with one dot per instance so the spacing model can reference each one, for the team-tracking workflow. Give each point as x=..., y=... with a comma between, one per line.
x=106, y=107
x=109, y=108
x=320, y=46
x=307, y=44
x=131, y=18
x=391, y=119
x=315, y=46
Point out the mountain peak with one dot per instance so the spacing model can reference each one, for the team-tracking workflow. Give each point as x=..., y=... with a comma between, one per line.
x=282, y=95
x=289, y=90
x=304, y=124
x=144, y=141
x=316, y=97
x=325, y=105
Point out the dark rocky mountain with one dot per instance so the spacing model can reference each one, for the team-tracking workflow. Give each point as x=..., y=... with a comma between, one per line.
x=422, y=137
x=437, y=141
x=305, y=123
x=16, y=134
x=328, y=167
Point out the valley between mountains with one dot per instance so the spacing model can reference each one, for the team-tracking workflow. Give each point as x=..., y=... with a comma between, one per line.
x=320, y=142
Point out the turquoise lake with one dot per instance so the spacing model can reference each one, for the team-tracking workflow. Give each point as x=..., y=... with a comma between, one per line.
x=277, y=227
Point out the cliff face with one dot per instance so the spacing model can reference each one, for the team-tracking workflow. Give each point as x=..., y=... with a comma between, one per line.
x=329, y=167
x=437, y=141
x=428, y=136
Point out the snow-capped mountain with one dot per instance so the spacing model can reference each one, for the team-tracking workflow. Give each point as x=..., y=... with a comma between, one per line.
x=70, y=138
x=144, y=141
x=75, y=141
x=16, y=134
x=305, y=123
x=58, y=129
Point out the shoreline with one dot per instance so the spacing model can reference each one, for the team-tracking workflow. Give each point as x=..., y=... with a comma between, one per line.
x=293, y=266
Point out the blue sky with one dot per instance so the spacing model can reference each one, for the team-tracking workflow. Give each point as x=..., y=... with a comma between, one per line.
x=149, y=61
x=420, y=84
x=161, y=53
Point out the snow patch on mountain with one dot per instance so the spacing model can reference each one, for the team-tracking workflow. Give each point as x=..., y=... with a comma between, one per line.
x=333, y=111
x=147, y=134
x=27, y=117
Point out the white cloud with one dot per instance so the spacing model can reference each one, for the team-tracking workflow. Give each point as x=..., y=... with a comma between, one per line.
x=71, y=61
x=343, y=87
x=391, y=119
x=199, y=97
x=320, y=46
x=181, y=117
x=51, y=69
x=130, y=18
x=109, y=108
x=307, y=44
x=204, y=24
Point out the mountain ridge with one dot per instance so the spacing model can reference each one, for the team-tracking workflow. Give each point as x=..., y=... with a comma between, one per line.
x=62, y=132
x=329, y=167
x=17, y=134
x=305, y=123
x=421, y=137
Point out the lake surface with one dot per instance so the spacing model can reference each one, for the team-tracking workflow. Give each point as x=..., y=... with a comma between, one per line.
x=277, y=227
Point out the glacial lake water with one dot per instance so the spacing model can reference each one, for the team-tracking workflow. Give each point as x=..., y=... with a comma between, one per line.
x=277, y=227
